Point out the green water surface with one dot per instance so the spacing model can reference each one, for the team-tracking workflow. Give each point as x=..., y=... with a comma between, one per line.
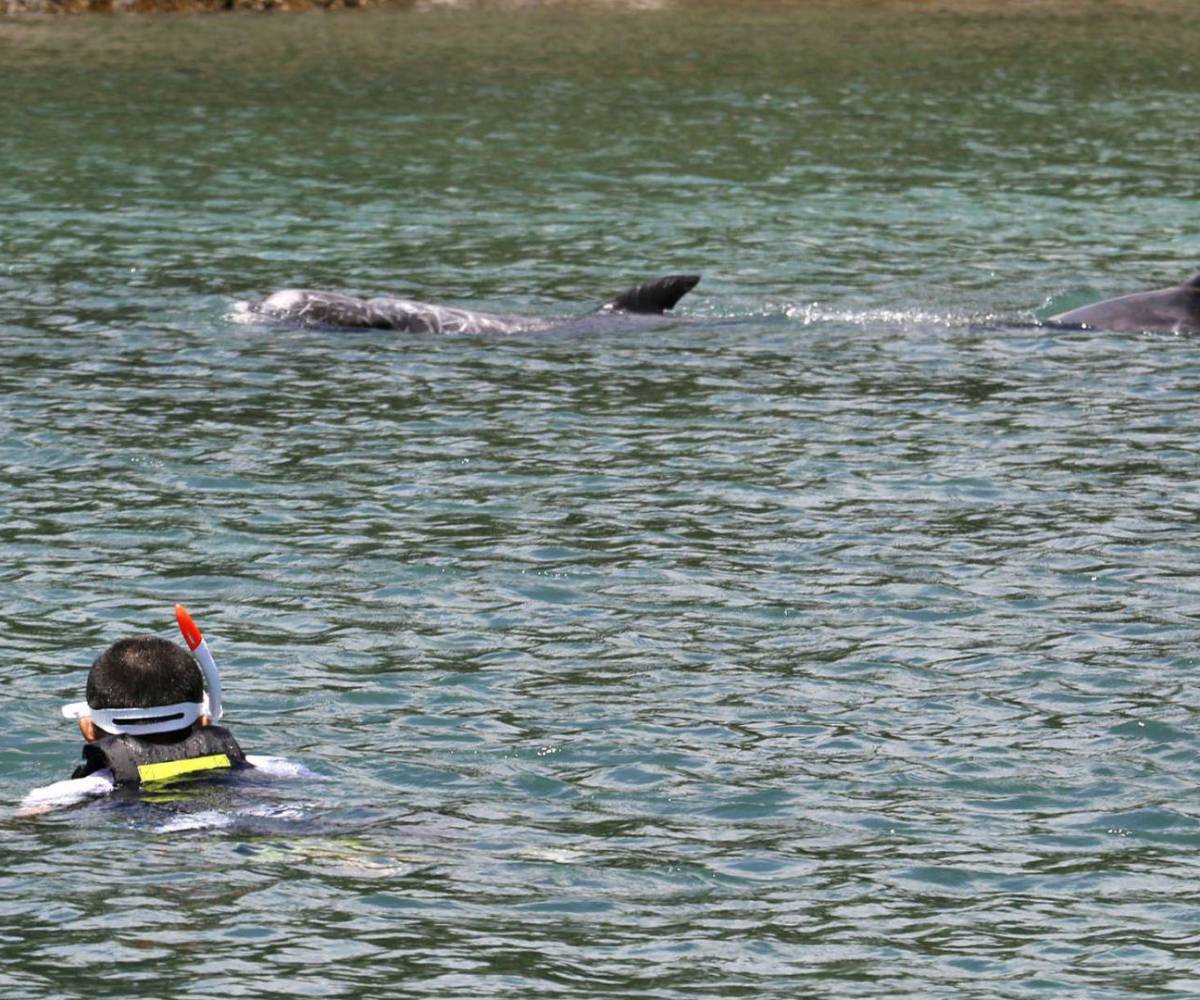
x=836, y=639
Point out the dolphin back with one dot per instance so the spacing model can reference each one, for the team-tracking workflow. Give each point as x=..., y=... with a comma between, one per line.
x=1167, y=310
x=336, y=310
x=306, y=307
x=654, y=297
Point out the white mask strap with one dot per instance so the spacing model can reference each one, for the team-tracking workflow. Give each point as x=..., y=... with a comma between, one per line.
x=138, y=721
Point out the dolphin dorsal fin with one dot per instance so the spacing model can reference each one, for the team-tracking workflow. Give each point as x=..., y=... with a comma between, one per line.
x=1193, y=282
x=654, y=296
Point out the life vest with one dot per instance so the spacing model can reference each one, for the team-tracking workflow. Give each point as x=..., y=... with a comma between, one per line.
x=137, y=759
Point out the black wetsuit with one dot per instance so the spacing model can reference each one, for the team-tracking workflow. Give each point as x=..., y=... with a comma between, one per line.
x=134, y=759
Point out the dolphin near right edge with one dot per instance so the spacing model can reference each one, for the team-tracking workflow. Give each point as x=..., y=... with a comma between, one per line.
x=1164, y=310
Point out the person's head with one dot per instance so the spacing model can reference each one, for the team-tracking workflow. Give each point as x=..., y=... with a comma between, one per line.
x=142, y=672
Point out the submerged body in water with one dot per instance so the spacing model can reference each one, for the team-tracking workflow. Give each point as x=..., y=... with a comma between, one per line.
x=335, y=310
x=104, y=782
x=1163, y=310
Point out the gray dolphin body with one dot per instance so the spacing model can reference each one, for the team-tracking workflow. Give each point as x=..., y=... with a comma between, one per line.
x=305, y=307
x=1164, y=310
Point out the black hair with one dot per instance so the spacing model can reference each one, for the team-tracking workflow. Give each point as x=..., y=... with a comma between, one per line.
x=142, y=672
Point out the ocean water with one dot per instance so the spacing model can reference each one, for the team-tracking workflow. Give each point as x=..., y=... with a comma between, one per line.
x=836, y=638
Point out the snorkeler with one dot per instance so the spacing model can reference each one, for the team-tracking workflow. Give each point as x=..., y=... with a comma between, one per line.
x=148, y=717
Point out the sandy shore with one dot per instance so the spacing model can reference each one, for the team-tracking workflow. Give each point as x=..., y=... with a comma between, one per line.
x=1005, y=8
x=20, y=7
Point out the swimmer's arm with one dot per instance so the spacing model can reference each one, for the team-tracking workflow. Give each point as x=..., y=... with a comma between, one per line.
x=66, y=793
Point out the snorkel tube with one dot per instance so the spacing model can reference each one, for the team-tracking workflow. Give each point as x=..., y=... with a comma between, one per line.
x=195, y=641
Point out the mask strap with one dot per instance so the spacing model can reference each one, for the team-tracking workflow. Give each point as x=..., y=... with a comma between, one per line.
x=138, y=721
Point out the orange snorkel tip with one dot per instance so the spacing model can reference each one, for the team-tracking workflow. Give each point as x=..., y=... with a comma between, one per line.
x=195, y=641
x=187, y=627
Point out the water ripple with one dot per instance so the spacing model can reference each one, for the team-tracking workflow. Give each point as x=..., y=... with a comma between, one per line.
x=834, y=639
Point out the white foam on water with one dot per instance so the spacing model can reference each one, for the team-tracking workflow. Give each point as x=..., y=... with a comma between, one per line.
x=207, y=819
x=243, y=312
x=814, y=312
x=217, y=819
x=280, y=767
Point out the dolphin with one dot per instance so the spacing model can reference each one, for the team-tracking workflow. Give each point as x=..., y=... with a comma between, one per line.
x=1164, y=310
x=334, y=310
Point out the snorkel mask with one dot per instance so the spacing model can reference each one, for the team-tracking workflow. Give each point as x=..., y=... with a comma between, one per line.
x=162, y=718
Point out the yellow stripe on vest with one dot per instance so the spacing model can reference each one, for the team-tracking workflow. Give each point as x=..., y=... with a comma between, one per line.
x=174, y=768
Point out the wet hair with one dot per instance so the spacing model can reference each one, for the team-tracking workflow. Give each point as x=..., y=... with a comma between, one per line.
x=142, y=672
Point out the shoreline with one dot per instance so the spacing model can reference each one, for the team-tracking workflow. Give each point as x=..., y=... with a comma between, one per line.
x=58, y=8
x=1007, y=8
